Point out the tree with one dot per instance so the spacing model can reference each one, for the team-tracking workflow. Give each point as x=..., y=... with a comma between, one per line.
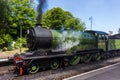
x=22, y=14
x=13, y=15
x=4, y=9
x=57, y=18
x=5, y=38
x=54, y=18
x=75, y=24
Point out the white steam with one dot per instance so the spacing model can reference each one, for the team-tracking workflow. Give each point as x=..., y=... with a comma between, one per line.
x=69, y=39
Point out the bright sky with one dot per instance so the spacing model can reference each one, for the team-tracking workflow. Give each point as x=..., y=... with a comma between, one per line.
x=105, y=13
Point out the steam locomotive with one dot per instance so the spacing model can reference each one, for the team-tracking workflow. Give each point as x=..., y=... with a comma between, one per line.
x=61, y=48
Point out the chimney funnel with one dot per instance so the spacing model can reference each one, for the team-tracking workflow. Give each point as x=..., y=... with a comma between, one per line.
x=38, y=25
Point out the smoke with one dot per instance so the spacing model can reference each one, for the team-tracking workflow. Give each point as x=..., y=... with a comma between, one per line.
x=42, y=5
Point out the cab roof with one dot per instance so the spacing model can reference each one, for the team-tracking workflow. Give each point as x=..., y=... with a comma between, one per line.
x=98, y=32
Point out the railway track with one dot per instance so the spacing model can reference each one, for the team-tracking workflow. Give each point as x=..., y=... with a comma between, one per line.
x=6, y=61
x=58, y=74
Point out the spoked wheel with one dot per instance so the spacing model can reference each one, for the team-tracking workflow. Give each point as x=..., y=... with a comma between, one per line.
x=75, y=60
x=33, y=68
x=54, y=64
x=97, y=56
x=87, y=58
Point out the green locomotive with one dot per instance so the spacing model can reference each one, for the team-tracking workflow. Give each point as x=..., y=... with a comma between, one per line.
x=58, y=48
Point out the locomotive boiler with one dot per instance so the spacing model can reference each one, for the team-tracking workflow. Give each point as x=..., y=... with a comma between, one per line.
x=57, y=40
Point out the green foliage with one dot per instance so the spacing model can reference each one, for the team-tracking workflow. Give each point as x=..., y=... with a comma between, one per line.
x=22, y=14
x=74, y=23
x=56, y=18
x=9, y=48
x=18, y=44
x=53, y=18
x=5, y=40
x=13, y=15
x=4, y=9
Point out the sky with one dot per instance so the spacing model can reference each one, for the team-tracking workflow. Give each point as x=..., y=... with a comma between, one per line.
x=105, y=13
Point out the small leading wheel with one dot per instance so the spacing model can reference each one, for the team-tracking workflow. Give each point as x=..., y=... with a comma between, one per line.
x=87, y=58
x=97, y=56
x=54, y=64
x=75, y=60
x=33, y=68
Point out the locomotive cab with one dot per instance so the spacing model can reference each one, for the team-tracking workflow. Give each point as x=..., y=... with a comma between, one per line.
x=101, y=39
